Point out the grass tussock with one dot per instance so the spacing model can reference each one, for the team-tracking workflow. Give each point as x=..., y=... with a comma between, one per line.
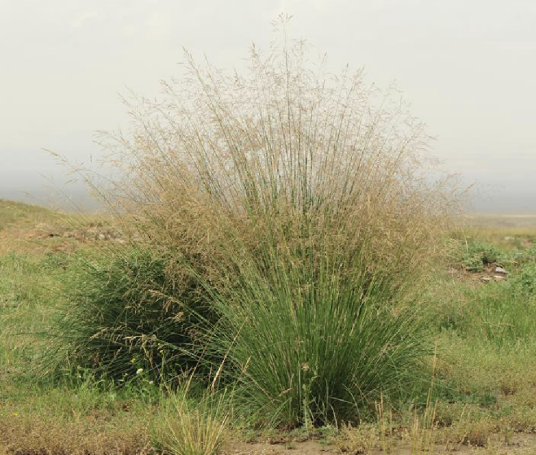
x=127, y=318
x=294, y=205
x=192, y=427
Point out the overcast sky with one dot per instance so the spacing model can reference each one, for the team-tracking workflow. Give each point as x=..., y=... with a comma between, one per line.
x=467, y=66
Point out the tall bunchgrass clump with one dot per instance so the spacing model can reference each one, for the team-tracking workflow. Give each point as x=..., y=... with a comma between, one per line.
x=299, y=202
x=313, y=351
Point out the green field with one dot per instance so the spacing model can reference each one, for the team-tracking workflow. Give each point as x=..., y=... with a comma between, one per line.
x=481, y=399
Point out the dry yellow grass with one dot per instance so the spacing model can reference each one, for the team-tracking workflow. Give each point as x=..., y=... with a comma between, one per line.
x=96, y=435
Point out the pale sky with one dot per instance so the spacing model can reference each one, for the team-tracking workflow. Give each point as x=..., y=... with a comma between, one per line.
x=467, y=66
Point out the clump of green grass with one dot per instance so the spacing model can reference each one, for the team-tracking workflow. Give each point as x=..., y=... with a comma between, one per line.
x=308, y=349
x=295, y=204
x=126, y=317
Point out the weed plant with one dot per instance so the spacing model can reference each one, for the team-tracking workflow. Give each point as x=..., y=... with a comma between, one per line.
x=476, y=255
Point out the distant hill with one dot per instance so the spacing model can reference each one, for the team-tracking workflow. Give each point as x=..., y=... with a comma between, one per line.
x=21, y=214
x=68, y=198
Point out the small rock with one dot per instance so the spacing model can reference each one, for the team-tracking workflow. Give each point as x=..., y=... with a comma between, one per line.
x=501, y=270
x=486, y=279
x=499, y=277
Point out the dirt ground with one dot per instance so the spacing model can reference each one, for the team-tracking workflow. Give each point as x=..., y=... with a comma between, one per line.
x=520, y=444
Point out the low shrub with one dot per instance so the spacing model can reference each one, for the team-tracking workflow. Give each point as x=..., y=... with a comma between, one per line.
x=476, y=255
